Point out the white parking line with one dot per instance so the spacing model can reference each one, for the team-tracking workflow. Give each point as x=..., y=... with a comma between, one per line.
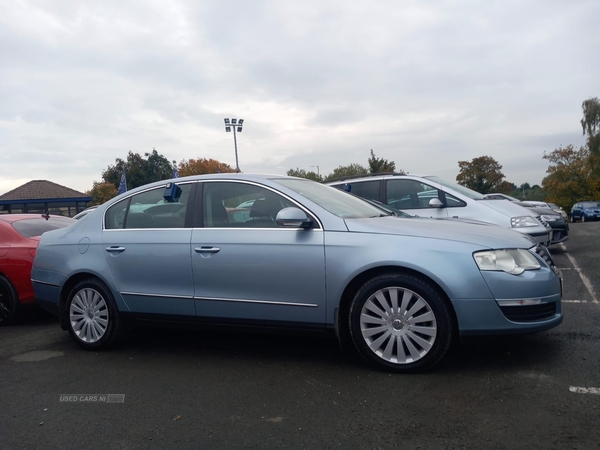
x=574, y=301
x=584, y=279
x=583, y=390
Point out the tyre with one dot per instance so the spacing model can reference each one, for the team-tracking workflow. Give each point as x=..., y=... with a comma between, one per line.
x=92, y=316
x=582, y=218
x=399, y=322
x=573, y=219
x=9, y=302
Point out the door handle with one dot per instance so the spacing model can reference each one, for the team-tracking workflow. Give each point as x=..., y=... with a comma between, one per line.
x=207, y=249
x=115, y=249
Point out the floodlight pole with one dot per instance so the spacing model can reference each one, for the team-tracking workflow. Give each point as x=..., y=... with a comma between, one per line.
x=234, y=123
x=317, y=170
x=237, y=166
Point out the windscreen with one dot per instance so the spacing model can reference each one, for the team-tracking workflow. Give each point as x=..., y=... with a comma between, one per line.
x=470, y=193
x=331, y=199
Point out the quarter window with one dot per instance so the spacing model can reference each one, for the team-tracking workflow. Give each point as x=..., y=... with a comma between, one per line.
x=453, y=202
x=365, y=189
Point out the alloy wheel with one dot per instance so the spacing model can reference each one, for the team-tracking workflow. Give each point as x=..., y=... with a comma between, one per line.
x=398, y=325
x=88, y=315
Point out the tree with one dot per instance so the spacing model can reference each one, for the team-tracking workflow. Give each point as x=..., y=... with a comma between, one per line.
x=139, y=170
x=380, y=165
x=158, y=167
x=591, y=126
x=102, y=192
x=202, y=166
x=301, y=173
x=347, y=171
x=483, y=175
x=571, y=178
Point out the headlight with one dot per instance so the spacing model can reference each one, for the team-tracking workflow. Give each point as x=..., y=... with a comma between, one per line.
x=514, y=261
x=550, y=217
x=524, y=221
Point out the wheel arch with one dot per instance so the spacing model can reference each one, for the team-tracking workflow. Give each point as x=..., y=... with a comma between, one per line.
x=342, y=325
x=66, y=289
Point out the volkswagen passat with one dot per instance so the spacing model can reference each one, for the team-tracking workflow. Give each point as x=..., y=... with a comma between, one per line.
x=305, y=256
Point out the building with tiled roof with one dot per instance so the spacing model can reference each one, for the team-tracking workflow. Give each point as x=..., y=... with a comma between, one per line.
x=42, y=196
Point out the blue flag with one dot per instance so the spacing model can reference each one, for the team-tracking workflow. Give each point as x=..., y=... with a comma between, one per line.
x=175, y=172
x=123, y=183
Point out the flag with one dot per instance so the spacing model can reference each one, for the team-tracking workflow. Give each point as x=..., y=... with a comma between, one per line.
x=123, y=183
x=175, y=172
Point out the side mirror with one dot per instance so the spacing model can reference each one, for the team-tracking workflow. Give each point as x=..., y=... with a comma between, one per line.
x=292, y=218
x=435, y=203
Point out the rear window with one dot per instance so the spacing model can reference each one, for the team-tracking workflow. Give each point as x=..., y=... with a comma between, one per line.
x=37, y=226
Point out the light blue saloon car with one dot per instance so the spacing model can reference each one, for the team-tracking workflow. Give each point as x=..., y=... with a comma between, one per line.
x=302, y=255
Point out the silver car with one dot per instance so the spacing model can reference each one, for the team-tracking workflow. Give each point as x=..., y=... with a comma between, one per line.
x=430, y=196
x=307, y=256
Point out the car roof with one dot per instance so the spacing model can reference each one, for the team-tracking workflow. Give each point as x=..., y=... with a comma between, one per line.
x=376, y=176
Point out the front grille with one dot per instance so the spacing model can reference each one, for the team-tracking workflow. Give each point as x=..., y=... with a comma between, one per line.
x=529, y=313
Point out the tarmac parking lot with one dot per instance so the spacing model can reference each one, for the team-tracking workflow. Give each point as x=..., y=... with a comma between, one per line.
x=179, y=388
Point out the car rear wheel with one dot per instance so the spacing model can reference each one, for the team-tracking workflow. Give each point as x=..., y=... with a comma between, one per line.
x=93, y=317
x=9, y=302
x=582, y=218
x=400, y=322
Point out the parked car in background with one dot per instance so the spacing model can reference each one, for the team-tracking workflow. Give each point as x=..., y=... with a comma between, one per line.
x=552, y=206
x=585, y=211
x=19, y=237
x=559, y=210
x=560, y=227
x=429, y=196
x=307, y=257
x=498, y=196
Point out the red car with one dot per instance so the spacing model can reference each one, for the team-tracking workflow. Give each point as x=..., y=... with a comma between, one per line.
x=19, y=238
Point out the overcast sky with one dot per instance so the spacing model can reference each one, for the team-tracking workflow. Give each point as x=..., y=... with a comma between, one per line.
x=319, y=83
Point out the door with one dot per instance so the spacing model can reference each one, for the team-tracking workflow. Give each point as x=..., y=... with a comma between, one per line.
x=147, y=248
x=247, y=268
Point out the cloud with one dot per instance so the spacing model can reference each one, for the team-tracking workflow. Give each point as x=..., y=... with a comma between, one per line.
x=424, y=84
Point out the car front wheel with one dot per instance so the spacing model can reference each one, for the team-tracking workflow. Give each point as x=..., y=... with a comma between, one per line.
x=93, y=318
x=400, y=322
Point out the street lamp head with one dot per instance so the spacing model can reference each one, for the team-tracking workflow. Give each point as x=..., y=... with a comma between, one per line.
x=233, y=121
x=228, y=129
x=241, y=122
x=227, y=121
x=239, y=129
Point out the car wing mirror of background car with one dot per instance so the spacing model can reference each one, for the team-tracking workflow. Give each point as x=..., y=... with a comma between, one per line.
x=435, y=203
x=292, y=217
